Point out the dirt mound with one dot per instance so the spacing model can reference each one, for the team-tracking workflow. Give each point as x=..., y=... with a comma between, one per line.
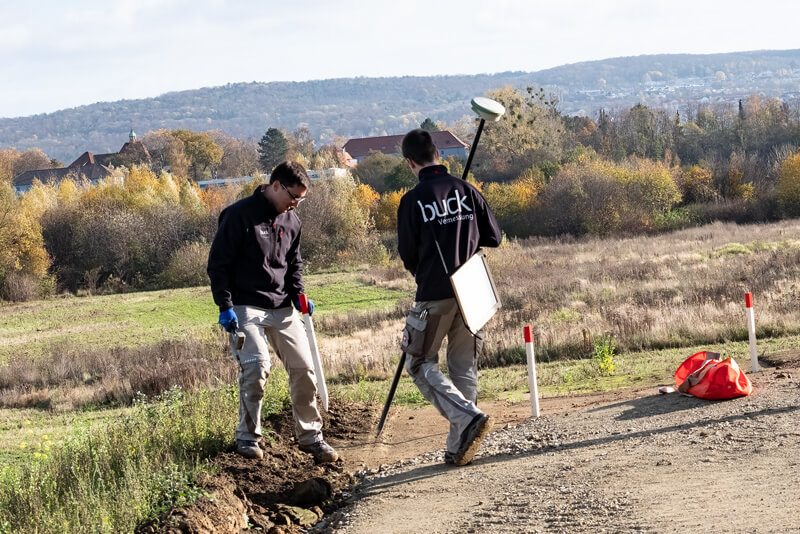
x=285, y=492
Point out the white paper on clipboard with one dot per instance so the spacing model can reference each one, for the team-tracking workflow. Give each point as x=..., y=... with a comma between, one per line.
x=475, y=291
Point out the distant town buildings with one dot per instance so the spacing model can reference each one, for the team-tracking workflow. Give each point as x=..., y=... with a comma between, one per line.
x=447, y=143
x=88, y=166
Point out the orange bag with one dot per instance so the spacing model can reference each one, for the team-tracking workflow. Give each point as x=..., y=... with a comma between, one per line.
x=712, y=379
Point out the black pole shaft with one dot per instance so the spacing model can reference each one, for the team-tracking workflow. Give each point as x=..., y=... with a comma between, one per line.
x=472, y=150
x=391, y=393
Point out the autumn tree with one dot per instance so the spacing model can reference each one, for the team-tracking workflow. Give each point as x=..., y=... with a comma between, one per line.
x=300, y=145
x=272, y=149
x=531, y=131
x=23, y=259
x=200, y=149
x=167, y=153
x=326, y=157
x=7, y=159
x=32, y=159
x=239, y=157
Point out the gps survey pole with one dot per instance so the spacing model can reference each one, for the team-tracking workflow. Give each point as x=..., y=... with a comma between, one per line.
x=322, y=387
x=488, y=110
x=391, y=393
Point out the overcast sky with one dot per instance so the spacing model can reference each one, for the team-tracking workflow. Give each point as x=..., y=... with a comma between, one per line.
x=57, y=54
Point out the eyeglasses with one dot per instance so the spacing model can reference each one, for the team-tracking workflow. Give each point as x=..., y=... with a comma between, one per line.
x=295, y=199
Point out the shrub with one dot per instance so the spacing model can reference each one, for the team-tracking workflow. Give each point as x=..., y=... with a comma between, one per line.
x=336, y=229
x=789, y=186
x=386, y=212
x=400, y=177
x=20, y=287
x=696, y=185
x=601, y=197
x=373, y=169
x=187, y=266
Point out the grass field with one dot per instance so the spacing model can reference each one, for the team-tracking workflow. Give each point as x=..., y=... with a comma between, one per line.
x=33, y=329
x=83, y=360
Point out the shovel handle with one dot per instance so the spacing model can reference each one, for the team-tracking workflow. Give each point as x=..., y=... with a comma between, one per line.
x=391, y=393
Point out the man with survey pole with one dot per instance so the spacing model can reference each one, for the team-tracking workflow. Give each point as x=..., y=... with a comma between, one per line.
x=441, y=223
x=256, y=275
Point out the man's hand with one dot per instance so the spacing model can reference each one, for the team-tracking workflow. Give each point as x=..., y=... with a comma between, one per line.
x=228, y=319
x=296, y=302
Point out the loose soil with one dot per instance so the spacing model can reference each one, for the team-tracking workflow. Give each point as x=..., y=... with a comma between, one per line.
x=623, y=461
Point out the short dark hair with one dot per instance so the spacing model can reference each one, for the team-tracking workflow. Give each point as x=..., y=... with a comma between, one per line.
x=418, y=146
x=290, y=173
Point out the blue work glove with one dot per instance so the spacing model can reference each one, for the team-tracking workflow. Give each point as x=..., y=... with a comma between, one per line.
x=228, y=319
x=296, y=302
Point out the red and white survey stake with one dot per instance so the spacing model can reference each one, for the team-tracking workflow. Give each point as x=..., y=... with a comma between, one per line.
x=531, y=372
x=751, y=329
x=312, y=343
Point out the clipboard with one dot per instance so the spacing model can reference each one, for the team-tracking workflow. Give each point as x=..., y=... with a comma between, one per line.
x=476, y=292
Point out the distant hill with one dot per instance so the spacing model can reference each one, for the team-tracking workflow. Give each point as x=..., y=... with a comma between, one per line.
x=355, y=107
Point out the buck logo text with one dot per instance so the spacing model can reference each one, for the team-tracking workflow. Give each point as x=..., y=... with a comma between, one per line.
x=449, y=206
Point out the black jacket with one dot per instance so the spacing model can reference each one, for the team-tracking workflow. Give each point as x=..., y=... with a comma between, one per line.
x=255, y=257
x=457, y=215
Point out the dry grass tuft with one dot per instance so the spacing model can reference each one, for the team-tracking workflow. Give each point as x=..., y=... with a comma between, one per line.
x=70, y=377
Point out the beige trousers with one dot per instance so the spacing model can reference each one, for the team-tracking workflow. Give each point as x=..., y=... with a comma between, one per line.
x=455, y=397
x=283, y=330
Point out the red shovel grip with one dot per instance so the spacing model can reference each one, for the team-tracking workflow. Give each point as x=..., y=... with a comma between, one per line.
x=303, y=303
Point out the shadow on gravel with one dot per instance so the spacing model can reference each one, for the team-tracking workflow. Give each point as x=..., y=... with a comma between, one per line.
x=434, y=470
x=653, y=405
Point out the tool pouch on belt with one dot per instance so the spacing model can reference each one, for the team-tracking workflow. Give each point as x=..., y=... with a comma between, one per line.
x=413, y=342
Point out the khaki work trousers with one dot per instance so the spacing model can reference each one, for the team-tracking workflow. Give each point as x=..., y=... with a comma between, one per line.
x=283, y=330
x=455, y=397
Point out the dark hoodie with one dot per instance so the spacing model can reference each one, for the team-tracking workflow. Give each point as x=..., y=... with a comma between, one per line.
x=453, y=212
x=255, y=257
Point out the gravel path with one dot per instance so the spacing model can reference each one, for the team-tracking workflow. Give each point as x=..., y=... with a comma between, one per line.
x=656, y=463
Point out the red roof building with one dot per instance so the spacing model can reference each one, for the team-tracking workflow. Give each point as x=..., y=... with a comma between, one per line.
x=447, y=143
x=88, y=166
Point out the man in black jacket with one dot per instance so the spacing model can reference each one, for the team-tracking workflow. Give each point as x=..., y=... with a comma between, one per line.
x=441, y=223
x=256, y=274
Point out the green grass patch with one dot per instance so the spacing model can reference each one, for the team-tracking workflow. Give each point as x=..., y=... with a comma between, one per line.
x=144, y=318
x=336, y=293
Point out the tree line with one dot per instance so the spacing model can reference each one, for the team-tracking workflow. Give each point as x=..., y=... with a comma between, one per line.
x=629, y=171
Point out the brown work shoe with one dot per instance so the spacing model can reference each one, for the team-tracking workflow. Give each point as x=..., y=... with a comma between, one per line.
x=249, y=449
x=321, y=451
x=471, y=439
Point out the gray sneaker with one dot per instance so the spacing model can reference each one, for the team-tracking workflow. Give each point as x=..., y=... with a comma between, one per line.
x=249, y=449
x=471, y=439
x=321, y=451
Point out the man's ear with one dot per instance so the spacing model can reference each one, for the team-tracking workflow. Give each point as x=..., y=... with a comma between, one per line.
x=411, y=163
